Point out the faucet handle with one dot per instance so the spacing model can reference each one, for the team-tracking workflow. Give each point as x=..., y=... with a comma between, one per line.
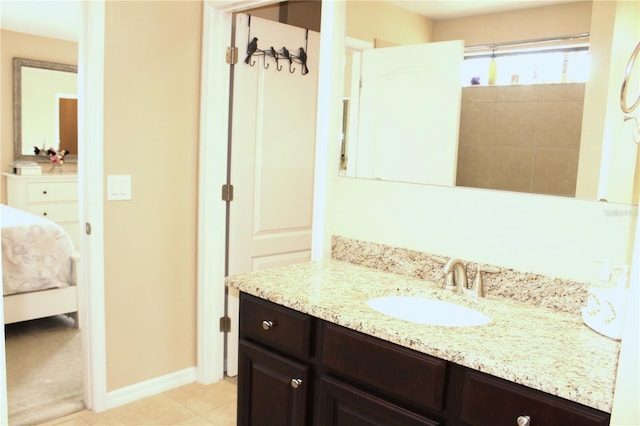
x=477, y=289
x=489, y=269
x=438, y=259
x=443, y=260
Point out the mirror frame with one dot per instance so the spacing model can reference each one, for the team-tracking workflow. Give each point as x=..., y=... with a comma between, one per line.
x=18, y=63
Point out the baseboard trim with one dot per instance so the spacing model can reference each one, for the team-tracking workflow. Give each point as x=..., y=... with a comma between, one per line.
x=151, y=387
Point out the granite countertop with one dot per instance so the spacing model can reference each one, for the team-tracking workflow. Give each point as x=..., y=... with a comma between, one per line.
x=538, y=347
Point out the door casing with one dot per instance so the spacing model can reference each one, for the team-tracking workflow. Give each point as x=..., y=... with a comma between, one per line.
x=214, y=125
x=90, y=173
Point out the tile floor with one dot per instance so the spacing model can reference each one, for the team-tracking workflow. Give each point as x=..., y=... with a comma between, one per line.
x=192, y=404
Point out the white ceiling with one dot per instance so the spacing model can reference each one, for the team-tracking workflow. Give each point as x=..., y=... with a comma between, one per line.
x=48, y=18
x=61, y=18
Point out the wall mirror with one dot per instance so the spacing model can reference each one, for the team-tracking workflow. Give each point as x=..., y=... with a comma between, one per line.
x=518, y=135
x=45, y=108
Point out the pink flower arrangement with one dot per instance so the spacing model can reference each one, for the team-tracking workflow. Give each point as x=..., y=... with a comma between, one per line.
x=56, y=157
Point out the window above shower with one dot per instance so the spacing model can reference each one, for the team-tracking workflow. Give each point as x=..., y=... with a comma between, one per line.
x=537, y=63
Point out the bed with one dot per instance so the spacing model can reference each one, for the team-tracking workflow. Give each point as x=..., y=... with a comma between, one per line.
x=38, y=268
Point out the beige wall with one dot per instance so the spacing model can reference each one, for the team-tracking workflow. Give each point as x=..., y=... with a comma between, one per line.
x=370, y=20
x=534, y=23
x=151, y=99
x=13, y=44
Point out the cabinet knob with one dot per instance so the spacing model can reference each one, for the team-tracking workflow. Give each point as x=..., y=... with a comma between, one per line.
x=44, y=214
x=266, y=324
x=523, y=421
x=295, y=383
x=44, y=192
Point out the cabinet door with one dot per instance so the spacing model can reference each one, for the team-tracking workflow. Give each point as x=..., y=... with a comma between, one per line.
x=342, y=405
x=272, y=390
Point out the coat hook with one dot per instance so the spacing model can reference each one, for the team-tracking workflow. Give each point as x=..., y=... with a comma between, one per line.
x=287, y=55
x=265, y=64
x=275, y=55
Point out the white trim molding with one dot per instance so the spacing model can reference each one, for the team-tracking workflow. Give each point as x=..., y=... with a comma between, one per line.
x=212, y=219
x=150, y=387
x=90, y=189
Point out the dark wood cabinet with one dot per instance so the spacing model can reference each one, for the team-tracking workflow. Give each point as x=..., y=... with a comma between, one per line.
x=343, y=405
x=274, y=378
x=274, y=388
x=281, y=329
x=389, y=369
x=298, y=370
x=490, y=401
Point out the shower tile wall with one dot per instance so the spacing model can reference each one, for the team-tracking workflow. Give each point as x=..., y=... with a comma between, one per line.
x=521, y=138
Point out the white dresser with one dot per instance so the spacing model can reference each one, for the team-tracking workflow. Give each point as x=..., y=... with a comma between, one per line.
x=54, y=196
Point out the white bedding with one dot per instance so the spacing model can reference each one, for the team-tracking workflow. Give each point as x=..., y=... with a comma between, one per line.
x=36, y=253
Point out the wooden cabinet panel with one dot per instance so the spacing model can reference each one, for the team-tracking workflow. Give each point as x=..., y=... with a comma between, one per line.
x=389, y=368
x=267, y=393
x=342, y=405
x=490, y=401
x=280, y=328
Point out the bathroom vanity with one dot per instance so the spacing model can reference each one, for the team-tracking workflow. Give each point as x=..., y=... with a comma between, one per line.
x=312, y=352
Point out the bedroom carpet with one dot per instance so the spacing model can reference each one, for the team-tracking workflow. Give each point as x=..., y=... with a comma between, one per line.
x=44, y=370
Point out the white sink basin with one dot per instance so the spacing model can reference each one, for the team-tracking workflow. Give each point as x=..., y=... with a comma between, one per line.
x=428, y=311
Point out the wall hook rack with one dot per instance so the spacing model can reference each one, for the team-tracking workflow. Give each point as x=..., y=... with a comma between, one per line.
x=277, y=55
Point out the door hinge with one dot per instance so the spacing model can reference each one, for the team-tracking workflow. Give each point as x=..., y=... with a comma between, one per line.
x=227, y=192
x=225, y=324
x=232, y=55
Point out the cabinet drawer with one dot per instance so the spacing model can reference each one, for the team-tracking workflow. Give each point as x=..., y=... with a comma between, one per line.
x=62, y=212
x=342, y=405
x=491, y=401
x=52, y=191
x=391, y=369
x=280, y=328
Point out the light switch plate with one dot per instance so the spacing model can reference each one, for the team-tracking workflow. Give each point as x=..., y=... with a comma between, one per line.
x=118, y=187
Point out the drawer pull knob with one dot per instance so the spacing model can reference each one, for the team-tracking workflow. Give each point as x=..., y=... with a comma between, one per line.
x=524, y=421
x=267, y=325
x=295, y=383
x=44, y=192
x=44, y=214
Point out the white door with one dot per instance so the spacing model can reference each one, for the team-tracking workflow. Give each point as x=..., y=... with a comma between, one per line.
x=410, y=113
x=272, y=155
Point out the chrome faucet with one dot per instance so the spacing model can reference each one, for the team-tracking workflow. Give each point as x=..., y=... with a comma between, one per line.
x=456, y=279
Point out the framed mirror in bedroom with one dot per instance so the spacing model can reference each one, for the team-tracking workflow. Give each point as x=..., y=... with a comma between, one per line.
x=45, y=109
